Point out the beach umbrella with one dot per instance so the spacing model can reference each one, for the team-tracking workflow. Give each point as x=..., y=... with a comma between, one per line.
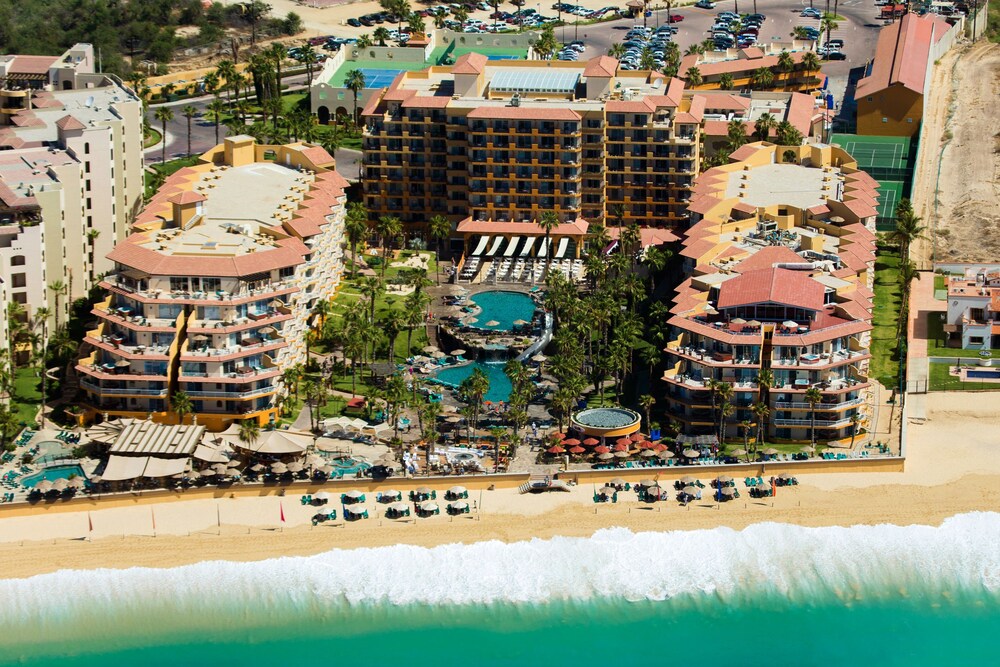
x=654, y=491
x=354, y=494
x=430, y=349
x=220, y=469
x=607, y=490
x=637, y=437
x=691, y=453
x=577, y=450
x=122, y=364
x=457, y=490
x=279, y=468
x=455, y=419
x=76, y=483
x=809, y=448
x=590, y=442
x=647, y=482
x=621, y=455
x=390, y=494
x=439, y=355
x=458, y=506
x=660, y=447
x=770, y=450
x=429, y=506
x=606, y=456
x=647, y=453
x=44, y=486
x=790, y=324
x=753, y=323
x=738, y=452
x=267, y=330
x=737, y=320
x=617, y=481
x=601, y=450
x=424, y=490
x=326, y=470
x=570, y=442
x=555, y=449
x=471, y=320
x=457, y=353
x=60, y=484
x=665, y=454
x=492, y=323
x=276, y=304
x=539, y=358
x=560, y=436
x=194, y=474
x=784, y=475
x=623, y=442
x=257, y=467
x=645, y=444
x=690, y=490
x=322, y=495
x=688, y=479
x=295, y=466
x=207, y=472
x=620, y=448
x=728, y=491
x=401, y=508
x=234, y=463
x=315, y=460
x=725, y=479
x=521, y=323
x=200, y=338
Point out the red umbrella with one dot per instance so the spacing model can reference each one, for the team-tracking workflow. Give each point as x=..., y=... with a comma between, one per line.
x=559, y=436
x=660, y=447
x=637, y=437
x=590, y=442
x=555, y=449
x=601, y=450
x=623, y=441
x=572, y=442
x=619, y=447
x=645, y=444
x=577, y=450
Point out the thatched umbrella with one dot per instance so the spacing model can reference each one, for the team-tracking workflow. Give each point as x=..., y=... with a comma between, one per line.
x=457, y=353
x=295, y=466
x=739, y=451
x=492, y=323
x=770, y=451
x=430, y=349
x=738, y=320
x=606, y=456
x=725, y=479
x=43, y=486
x=257, y=467
x=647, y=453
x=691, y=453
x=617, y=482
x=279, y=468
x=688, y=480
x=665, y=454
x=622, y=455
x=60, y=484
x=221, y=469
x=647, y=482
x=728, y=491
x=690, y=490
x=607, y=490
x=234, y=463
x=76, y=483
x=326, y=470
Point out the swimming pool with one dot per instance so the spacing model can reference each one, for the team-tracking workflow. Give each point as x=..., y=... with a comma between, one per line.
x=990, y=374
x=504, y=308
x=52, y=474
x=499, y=382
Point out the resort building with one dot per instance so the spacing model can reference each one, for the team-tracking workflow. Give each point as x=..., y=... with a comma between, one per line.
x=741, y=64
x=213, y=293
x=498, y=142
x=973, y=319
x=891, y=97
x=778, y=301
x=803, y=112
x=71, y=175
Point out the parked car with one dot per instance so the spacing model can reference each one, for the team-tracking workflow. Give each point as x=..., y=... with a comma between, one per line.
x=675, y=18
x=812, y=12
x=836, y=44
x=705, y=4
x=354, y=23
x=837, y=55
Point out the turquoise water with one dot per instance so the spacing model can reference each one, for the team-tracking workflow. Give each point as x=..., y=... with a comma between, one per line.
x=504, y=308
x=500, y=386
x=774, y=594
x=52, y=474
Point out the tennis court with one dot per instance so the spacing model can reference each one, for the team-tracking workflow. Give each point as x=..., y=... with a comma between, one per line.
x=889, y=160
x=377, y=75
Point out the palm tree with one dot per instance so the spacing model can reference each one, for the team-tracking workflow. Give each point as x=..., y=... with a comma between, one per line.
x=277, y=53
x=249, y=431
x=746, y=427
x=548, y=222
x=497, y=432
x=726, y=410
x=800, y=32
x=180, y=403
x=760, y=412
x=371, y=287
x=693, y=76
x=647, y=61
x=308, y=57
x=813, y=397
x=189, y=112
x=855, y=420
x=58, y=289
x=164, y=115
x=617, y=50
x=226, y=73
x=215, y=109
x=440, y=229
x=762, y=77
x=380, y=35
x=415, y=22
x=355, y=82
x=737, y=133
x=725, y=393
x=472, y=390
x=810, y=62
x=646, y=402
x=389, y=228
x=908, y=229
x=356, y=228
x=787, y=134
x=828, y=23
x=726, y=81
x=364, y=41
x=763, y=126
x=392, y=325
x=9, y=424
x=785, y=62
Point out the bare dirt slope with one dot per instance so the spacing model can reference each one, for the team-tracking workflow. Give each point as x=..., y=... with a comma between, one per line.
x=967, y=224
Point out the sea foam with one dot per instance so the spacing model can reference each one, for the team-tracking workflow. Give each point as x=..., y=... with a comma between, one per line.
x=763, y=559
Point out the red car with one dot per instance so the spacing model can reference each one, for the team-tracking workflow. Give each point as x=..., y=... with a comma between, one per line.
x=675, y=18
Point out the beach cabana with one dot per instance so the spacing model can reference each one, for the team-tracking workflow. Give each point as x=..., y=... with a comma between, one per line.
x=355, y=514
x=456, y=493
x=428, y=508
x=458, y=507
x=422, y=493
x=397, y=510
x=351, y=497
x=388, y=496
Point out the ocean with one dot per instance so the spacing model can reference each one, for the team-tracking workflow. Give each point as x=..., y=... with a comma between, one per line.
x=771, y=593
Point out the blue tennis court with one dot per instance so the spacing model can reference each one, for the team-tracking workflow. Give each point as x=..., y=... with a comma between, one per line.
x=503, y=57
x=379, y=78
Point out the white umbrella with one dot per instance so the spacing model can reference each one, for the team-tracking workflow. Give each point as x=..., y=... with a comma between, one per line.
x=457, y=353
x=430, y=349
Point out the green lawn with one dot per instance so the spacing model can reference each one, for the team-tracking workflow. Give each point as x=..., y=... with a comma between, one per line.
x=152, y=138
x=936, y=346
x=27, y=394
x=939, y=283
x=885, y=343
x=941, y=380
x=163, y=170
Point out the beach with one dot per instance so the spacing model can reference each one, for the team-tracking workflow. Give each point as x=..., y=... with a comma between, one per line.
x=951, y=468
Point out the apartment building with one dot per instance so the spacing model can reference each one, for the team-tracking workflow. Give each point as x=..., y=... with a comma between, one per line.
x=213, y=292
x=70, y=175
x=719, y=108
x=780, y=257
x=741, y=64
x=507, y=141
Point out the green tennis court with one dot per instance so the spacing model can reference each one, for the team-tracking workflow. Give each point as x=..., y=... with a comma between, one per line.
x=889, y=160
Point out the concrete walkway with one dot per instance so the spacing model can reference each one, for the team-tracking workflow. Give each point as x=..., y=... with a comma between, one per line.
x=923, y=306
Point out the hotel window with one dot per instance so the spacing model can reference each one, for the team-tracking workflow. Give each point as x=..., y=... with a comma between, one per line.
x=17, y=260
x=19, y=280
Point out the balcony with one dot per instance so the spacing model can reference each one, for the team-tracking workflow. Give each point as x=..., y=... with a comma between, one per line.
x=824, y=359
x=709, y=358
x=243, y=292
x=820, y=423
x=232, y=395
x=796, y=405
x=249, y=345
x=121, y=391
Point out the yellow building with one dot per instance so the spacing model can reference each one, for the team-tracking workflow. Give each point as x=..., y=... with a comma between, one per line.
x=891, y=98
x=212, y=294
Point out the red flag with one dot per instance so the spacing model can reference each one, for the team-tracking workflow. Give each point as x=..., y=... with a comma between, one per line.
x=282, y=508
x=153, y=517
x=90, y=523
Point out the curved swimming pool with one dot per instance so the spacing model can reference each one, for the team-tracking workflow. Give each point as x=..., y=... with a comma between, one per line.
x=504, y=308
x=52, y=474
x=500, y=386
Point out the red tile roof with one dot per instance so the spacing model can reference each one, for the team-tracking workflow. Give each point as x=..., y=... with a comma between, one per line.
x=766, y=258
x=69, y=123
x=602, y=66
x=901, y=56
x=727, y=102
x=188, y=197
x=470, y=63
x=318, y=155
x=32, y=64
x=648, y=235
x=469, y=226
x=130, y=253
x=525, y=113
x=427, y=102
x=791, y=288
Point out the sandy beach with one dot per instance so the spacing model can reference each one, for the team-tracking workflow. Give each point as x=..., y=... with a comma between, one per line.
x=951, y=468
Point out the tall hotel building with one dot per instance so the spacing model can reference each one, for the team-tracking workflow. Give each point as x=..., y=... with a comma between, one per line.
x=212, y=293
x=778, y=301
x=507, y=141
